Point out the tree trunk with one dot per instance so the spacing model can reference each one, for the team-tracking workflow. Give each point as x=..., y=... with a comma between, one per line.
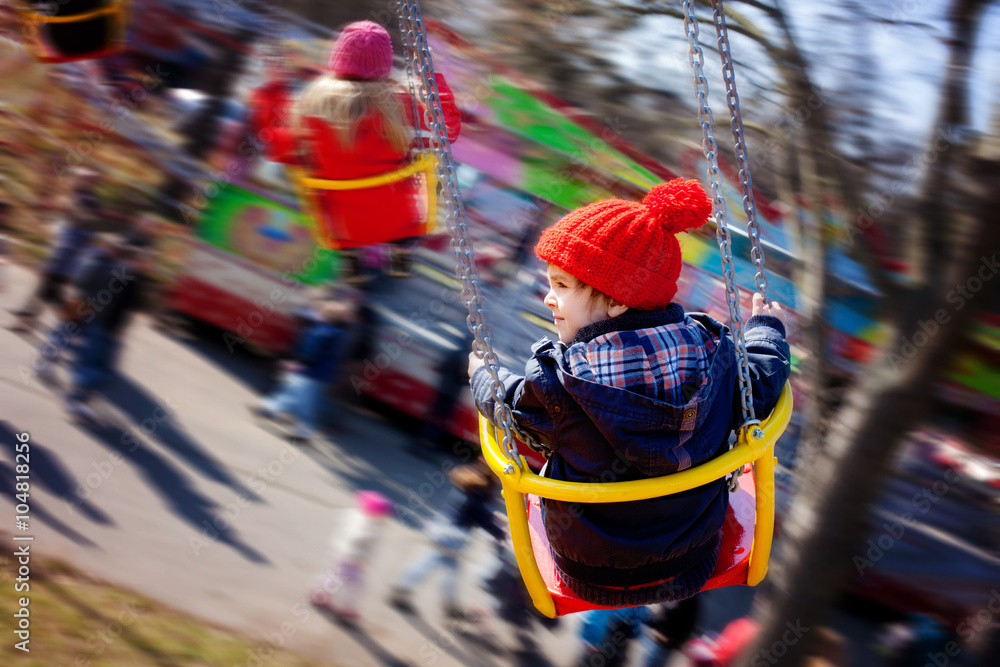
x=827, y=519
x=810, y=276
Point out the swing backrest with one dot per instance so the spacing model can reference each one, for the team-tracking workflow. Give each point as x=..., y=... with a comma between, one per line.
x=755, y=446
x=75, y=30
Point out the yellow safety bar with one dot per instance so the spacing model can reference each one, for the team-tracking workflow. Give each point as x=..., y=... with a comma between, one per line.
x=427, y=163
x=423, y=163
x=117, y=10
x=755, y=445
x=36, y=17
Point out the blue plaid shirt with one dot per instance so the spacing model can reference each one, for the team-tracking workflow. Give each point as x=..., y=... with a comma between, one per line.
x=663, y=362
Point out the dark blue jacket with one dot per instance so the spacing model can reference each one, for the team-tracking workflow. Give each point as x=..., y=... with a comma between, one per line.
x=74, y=236
x=320, y=350
x=100, y=277
x=673, y=406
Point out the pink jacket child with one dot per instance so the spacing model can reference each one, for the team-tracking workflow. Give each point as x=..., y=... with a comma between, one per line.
x=342, y=584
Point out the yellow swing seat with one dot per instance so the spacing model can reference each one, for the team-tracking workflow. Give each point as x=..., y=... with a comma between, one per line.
x=75, y=30
x=424, y=166
x=746, y=533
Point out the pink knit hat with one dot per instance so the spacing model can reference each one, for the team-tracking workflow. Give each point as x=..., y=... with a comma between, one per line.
x=373, y=503
x=363, y=51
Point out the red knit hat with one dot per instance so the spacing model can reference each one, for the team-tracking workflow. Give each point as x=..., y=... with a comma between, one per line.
x=363, y=51
x=625, y=249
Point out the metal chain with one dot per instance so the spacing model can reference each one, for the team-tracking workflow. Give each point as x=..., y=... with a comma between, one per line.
x=274, y=55
x=409, y=57
x=697, y=59
x=415, y=37
x=736, y=121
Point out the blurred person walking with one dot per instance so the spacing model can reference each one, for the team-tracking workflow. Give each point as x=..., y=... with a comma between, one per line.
x=352, y=549
x=359, y=348
x=512, y=604
x=108, y=289
x=467, y=507
x=315, y=365
x=81, y=216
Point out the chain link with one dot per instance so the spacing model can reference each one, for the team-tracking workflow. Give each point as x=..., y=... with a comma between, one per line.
x=696, y=57
x=414, y=37
x=736, y=122
x=409, y=57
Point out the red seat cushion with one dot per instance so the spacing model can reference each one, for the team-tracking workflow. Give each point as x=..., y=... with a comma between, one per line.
x=731, y=570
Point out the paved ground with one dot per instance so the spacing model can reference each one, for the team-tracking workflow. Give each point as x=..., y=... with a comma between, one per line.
x=180, y=496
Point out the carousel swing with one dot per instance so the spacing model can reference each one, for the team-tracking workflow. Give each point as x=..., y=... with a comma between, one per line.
x=749, y=524
x=70, y=30
x=332, y=234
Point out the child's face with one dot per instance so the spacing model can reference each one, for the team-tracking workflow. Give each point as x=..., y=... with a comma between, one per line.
x=574, y=304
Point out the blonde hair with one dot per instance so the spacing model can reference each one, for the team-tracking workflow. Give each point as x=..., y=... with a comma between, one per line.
x=343, y=104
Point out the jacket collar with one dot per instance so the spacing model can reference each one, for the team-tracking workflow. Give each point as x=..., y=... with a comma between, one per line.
x=631, y=321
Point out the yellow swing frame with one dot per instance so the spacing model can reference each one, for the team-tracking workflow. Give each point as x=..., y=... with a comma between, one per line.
x=755, y=446
x=306, y=186
x=117, y=10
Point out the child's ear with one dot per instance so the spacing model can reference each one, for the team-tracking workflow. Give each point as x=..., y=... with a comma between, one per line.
x=615, y=309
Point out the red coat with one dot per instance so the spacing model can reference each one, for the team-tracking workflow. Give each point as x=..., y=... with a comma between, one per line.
x=353, y=217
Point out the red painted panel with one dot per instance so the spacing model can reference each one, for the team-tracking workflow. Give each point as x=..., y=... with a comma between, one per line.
x=275, y=331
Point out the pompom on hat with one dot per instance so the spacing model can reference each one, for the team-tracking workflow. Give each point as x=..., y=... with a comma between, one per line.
x=625, y=249
x=362, y=52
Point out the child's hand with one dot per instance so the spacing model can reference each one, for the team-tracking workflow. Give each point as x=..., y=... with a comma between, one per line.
x=775, y=309
x=475, y=363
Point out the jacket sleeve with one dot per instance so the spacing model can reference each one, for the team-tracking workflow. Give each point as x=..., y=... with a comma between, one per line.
x=524, y=397
x=270, y=121
x=770, y=364
x=452, y=115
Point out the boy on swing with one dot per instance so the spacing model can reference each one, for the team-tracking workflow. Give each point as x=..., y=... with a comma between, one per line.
x=634, y=388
